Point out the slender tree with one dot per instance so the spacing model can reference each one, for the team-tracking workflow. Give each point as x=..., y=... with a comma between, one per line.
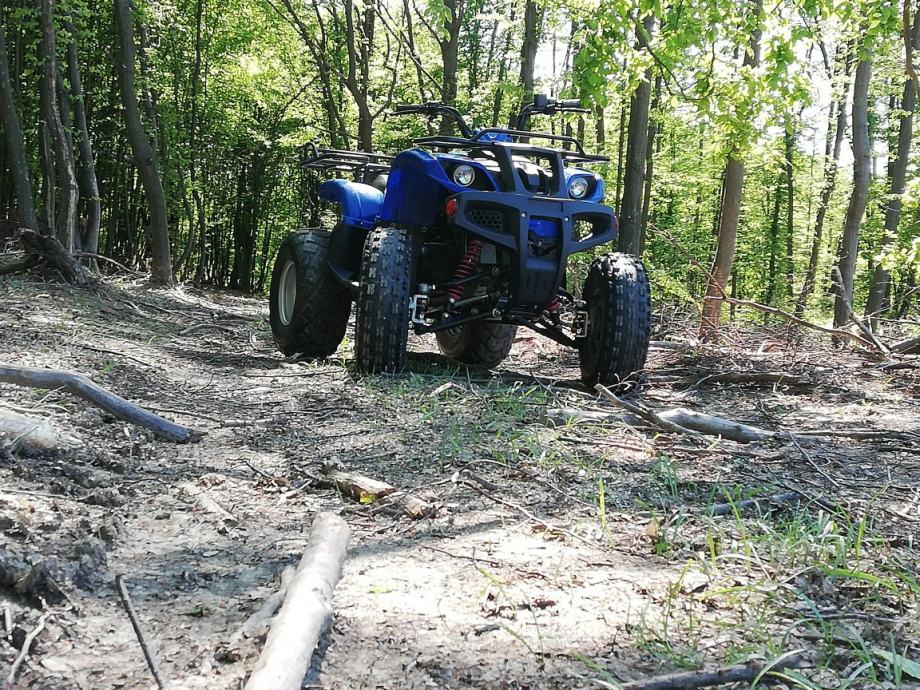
x=730, y=208
x=897, y=168
x=12, y=130
x=66, y=221
x=846, y=257
x=449, y=44
x=142, y=149
x=836, y=130
x=89, y=186
x=533, y=20
x=789, y=176
x=630, y=230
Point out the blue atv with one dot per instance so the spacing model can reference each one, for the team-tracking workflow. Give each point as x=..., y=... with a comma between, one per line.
x=467, y=237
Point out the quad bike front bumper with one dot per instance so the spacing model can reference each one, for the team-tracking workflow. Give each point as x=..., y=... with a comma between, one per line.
x=537, y=235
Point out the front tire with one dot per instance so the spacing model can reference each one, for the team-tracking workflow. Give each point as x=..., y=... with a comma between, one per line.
x=308, y=308
x=618, y=301
x=382, y=325
x=478, y=343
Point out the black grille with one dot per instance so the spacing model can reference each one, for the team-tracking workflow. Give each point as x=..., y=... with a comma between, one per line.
x=489, y=218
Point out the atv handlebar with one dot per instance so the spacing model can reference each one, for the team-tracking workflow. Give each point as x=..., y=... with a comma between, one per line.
x=571, y=104
x=544, y=105
x=432, y=109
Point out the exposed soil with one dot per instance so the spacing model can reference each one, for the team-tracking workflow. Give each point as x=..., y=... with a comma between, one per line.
x=537, y=584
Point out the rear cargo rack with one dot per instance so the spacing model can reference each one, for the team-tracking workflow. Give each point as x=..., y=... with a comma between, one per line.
x=337, y=160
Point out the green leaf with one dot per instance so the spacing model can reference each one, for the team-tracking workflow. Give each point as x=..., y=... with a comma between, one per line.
x=908, y=666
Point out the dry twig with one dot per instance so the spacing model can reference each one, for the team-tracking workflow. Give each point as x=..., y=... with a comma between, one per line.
x=26, y=646
x=751, y=672
x=149, y=654
x=644, y=413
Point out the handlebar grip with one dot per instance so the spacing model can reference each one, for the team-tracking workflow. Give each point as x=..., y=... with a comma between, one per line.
x=405, y=108
x=570, y=103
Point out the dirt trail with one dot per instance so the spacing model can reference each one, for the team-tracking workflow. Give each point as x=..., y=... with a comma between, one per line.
x=478, y=596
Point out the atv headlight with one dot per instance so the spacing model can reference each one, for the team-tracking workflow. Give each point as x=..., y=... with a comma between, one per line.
x=578, y=187
x=464, y=175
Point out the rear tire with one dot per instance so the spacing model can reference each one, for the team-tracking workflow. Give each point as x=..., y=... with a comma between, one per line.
x=308, y=308
x=619, y=306
x=478, y=343
x=382, y=325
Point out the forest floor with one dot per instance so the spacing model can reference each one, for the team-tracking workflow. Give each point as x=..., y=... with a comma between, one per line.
x=562, y=555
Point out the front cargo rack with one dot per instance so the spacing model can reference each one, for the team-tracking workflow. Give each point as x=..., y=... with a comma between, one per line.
x=518, y=139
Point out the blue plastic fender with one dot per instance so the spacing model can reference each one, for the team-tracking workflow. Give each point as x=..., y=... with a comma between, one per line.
x=360, y=203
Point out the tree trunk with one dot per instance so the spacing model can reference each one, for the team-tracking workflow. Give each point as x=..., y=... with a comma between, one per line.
x=66, y=222
x=46, y=163
x=621, y=144
x=12, y=135
x=636, y=150
x=450, y=46
x=733, y=183
x=770, y=291
x=533, y=18
x=89, y=186
x=650, y=148
x=502, y=71
x=846, y=260
x=833, y=145
x=144, y=157
x=789, y=174
x=197, y=196
x=878, y=301
x=359, y=44
x=600, y=128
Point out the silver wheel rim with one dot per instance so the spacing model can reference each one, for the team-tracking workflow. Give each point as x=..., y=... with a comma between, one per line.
x=287, y=293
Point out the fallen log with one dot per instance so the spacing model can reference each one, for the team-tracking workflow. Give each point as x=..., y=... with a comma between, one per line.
x=565, y=416
x=720, y=509
x=230, y=650
x=84, y=388
x=756, y=377
x=50, y=250
x=29, y=435
x=671, y=345
x=848, y=305
x=684, y=421
x=741, y=673
x=367, y=490
x=911, y=346
x=357, y=486
x=715, y=426
x=203, y=499
x=306, y=610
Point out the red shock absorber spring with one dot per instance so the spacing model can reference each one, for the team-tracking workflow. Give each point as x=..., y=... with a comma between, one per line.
x=554, y=305
x=465, y=269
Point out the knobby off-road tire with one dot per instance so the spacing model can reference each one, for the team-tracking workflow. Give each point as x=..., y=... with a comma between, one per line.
x=479, y=343
x=382, y=325
x=308, y=307
x=619, y=306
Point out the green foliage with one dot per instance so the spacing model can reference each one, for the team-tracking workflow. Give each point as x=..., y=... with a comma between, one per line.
x=235, y=97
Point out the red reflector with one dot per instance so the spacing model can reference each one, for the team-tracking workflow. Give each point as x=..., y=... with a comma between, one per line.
x=450, y=208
